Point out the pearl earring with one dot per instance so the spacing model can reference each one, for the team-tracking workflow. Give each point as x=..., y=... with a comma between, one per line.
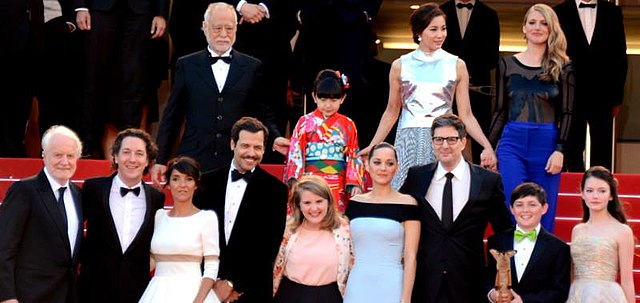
x=419, y=39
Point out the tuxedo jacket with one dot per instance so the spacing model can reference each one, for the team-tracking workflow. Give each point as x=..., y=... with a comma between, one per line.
x=480, y=47
x=107, y=274
x=247, y=258
x=457, y=254
x=208, y=113
x=601, y=67
x=546, y=276
x=36, y=261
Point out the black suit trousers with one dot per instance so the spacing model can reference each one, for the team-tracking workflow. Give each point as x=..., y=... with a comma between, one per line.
x=114, y=70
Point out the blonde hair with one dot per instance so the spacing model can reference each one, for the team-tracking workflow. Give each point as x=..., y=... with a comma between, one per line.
x=555, y=57
x=318, y=186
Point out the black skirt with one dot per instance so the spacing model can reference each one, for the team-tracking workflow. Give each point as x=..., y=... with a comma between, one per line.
x=292, y=292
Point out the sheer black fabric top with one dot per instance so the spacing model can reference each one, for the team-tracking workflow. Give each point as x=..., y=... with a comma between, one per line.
x=522, y=96
x=397, y=212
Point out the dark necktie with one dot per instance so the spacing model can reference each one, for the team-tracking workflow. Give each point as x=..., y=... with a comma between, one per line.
x=60, y=205
x=586, y=5
x=226, y=59
x=236, y=175
x=447, y=202
x=124, y=191
x=464, y=5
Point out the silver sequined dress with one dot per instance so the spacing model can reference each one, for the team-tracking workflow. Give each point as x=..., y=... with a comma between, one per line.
x=427, y=88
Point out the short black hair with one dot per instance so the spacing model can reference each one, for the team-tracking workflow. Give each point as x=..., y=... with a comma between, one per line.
x=328, y=84
x=527, y=189
x=185, y=165
x=251, y=125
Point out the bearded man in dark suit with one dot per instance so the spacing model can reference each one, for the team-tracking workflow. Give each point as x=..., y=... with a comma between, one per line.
x=213, y=88
x=251, y=208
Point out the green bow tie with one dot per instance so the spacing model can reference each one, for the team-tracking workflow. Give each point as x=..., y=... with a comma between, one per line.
x=519, y=235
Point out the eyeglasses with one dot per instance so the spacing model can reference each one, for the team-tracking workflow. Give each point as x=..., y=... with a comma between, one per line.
x=216, y=29
x=440, y=140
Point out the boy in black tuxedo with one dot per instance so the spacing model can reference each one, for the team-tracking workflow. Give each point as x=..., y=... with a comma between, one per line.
x=540, y=269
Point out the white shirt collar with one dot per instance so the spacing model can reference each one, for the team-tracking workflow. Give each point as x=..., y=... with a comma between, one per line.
x=214, y=54
x=457, y=171
x=472, y=2
x=54, y=184
x=119, y=182
x=537, y=229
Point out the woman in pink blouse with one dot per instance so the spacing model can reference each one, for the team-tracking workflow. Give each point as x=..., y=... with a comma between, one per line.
x=315, y=255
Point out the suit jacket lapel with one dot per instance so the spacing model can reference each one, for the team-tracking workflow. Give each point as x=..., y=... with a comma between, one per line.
x=475, y=184
x=48, y=198
x=205, y=72
x=454, y=30
x=420, y=185
x=78, y=204
x=220, y=195
x=507, y=245
x=580, y=30
x=538, y=251
x=106, y=192
x=236, y=71
x=246, y=204
x=149, y=217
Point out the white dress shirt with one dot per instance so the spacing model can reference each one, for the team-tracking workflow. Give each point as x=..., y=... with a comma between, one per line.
x=463, y=16
x=220, y=68
x=524, y=249
x=127, y=212
x=587, y=18
x=461, y=183
x=232, y=199
x=70, y=208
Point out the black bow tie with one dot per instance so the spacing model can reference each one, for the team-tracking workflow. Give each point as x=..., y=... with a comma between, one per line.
x=226, y=59
x=124, y=191
x=464, y=5
x=586, y=5
x=236, y=175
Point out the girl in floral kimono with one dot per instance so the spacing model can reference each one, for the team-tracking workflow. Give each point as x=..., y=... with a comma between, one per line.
x=325, y=143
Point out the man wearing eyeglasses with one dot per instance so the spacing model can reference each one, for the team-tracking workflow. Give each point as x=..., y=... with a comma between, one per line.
x=213, y=88
x=459, y=200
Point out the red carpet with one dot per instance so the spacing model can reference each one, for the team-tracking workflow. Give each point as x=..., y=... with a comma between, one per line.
x=568, y=214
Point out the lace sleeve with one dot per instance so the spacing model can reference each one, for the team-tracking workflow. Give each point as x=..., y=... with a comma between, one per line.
x=567, y=87
x=500, y=111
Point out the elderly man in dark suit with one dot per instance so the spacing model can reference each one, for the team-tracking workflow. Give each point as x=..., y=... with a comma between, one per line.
x=41, y=227
x=474, y=35
x=119, y=213
x=457, y=200
x=251, y=208
x=213, y=88
x=597, y=47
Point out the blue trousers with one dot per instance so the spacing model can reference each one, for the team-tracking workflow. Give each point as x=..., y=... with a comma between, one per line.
x=522, y=152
